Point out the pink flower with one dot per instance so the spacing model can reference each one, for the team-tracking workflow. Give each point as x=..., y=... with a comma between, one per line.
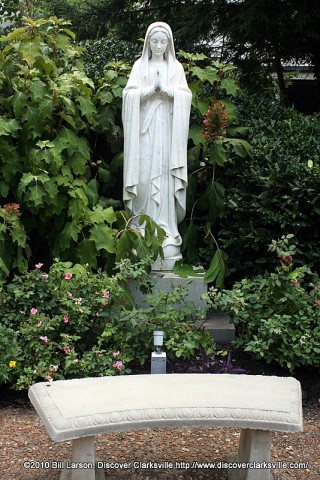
x=67, y=276
x=44, y=275
x=54, y=368
x=67, y=350
x=66, y=319
x=39, y=265
x=116, y=354
x=105, y=294
x=44, y=339
x=33, y=311
x=69, y=294
x=118, y=365
x=48, y=378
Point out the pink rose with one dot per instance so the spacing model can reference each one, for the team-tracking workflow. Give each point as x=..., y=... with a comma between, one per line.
x=66, y=319
x=39, y=265
x=116, y=354
x=44, y=339
x=54, y=368
x=118, y=365
x=69, y=294
x=33, y=311
x=67, y=276
x=44, y=275
x=105, y=294
x=67, y=350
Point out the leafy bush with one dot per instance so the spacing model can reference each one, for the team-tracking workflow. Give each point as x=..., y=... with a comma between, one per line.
x=275, y=191
x=47, y=117
x=71, y=322
x=98, y=53
x=9, y=354
x=277, y=314
x=214, y=140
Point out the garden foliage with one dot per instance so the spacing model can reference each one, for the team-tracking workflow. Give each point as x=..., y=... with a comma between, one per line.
x=275, y=192
x=216, y=138
x=49, y=190
x=277, y=315
x=61, y=155
x=70, y=322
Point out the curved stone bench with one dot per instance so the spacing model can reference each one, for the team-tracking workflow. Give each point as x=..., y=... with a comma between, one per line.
x=82, y=408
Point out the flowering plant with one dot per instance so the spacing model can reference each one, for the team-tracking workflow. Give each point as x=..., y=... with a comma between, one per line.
x=9, y=353
x=70, y=322
x=215, y=122
x=277, y=315
x=58, y=317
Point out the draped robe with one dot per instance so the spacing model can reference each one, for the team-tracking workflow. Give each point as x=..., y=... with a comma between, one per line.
x=155, y=144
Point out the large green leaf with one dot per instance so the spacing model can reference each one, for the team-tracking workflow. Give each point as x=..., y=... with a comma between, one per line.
x=19, y=236
x=230, y=86
x=19, y=102
x=241, y=147
x=87, y=253
x=9, y=127
x=30, y=51
x=103, y=237
x=77, y=208
x=36, y=195
x=196, y=134
x=212, y=201
x=86, y=106
x=216, y=270
x=100, y=215
x=217, y=153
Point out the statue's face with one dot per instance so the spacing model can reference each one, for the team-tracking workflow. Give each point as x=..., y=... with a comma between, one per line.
x=158, y=43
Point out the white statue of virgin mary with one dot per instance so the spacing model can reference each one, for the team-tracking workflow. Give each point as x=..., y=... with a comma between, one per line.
x=156, y=111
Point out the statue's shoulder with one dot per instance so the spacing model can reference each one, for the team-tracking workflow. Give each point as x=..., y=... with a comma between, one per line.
x=137, y=64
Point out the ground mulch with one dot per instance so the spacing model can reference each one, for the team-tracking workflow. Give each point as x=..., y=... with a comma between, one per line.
x=24, y=439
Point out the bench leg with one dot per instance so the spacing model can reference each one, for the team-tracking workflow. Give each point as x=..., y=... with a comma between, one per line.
x=83, y=453
x=255, y=446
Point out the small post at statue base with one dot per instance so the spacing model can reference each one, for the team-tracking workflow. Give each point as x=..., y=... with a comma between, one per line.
x=158, y=358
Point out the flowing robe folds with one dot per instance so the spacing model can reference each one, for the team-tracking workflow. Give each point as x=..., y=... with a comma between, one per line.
x=155, y=146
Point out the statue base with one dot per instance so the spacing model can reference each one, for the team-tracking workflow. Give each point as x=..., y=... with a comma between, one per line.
x=165, y=265
x=163, y=280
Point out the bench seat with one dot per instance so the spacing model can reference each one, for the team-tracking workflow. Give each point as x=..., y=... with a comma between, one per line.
x=79, y=409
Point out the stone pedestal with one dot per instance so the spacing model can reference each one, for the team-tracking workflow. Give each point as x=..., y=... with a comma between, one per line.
x=165, y=280
x=217, y=323
x=220, y=327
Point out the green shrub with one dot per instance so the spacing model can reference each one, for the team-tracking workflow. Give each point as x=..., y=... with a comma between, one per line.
x=52, y=202
x=274, y=192
x=9, y=354
x=277, y=315
x=71, y=322
x=98, y=53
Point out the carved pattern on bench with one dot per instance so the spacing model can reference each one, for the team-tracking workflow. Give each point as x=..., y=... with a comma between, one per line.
x=144, y=418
